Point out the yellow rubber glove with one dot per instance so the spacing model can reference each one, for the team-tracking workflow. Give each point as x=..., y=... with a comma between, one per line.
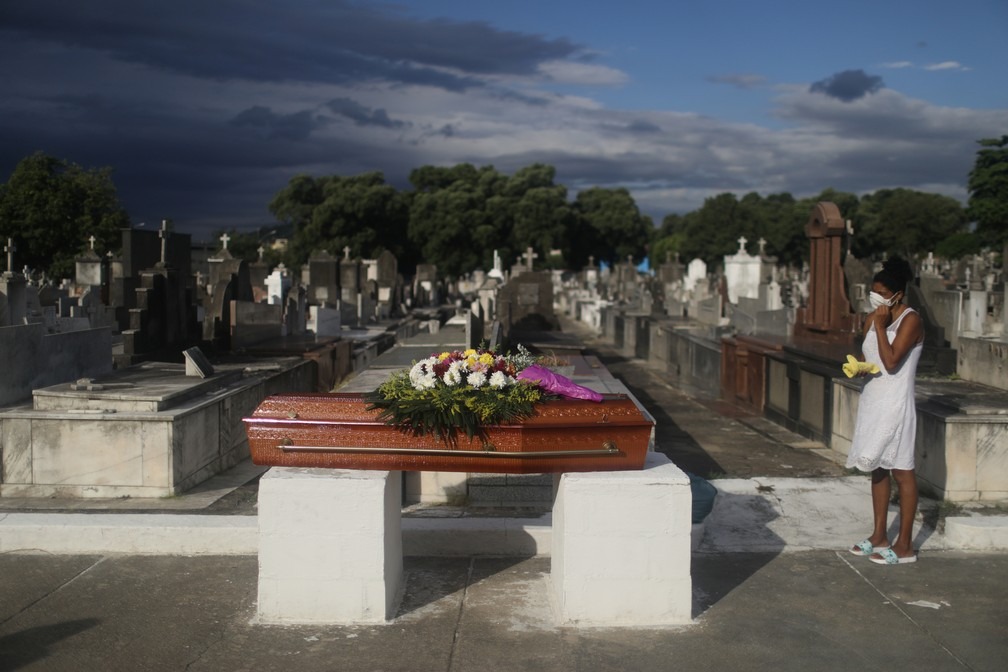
x=853, y=367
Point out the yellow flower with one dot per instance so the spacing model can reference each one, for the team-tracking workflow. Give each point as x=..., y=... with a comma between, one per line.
x=486, y=358
x=443, y=356
x=469, y=353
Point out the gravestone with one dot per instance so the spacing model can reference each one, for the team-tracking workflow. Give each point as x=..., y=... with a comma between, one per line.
x=196, y=363
x=497, y=271
x=253, y=323
x=742, y=273
x=671, y=271
x=473, y=329
x=828, y=314
x=696, y=275
x=91, y=270
x=425, y=286
x=323, y=279
x=323, y=321
x=352, y=278
x=144, y=250
x=526, y=303
x=13, y=297
x=278, y=283
x=296, y=311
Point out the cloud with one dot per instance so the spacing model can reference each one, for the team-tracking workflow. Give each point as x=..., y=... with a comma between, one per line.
x=946, y=65
x=362, y=115
x=321, y=41
x=848, y=85
x=741, y=81
x=296, y=126
x=897, y=65
x=571, y=72
x=204, y=121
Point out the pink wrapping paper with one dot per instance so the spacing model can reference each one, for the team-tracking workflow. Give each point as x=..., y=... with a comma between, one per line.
x=557, y=384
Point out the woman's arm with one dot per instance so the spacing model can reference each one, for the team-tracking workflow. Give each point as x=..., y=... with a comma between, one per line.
x=909, y=333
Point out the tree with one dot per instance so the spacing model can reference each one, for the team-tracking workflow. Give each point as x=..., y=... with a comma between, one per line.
x=441, y=227
x=905, y=222
x=714, y=229
x=988, y=188
x=613, y=227
x=52, y=207
x=361, y=212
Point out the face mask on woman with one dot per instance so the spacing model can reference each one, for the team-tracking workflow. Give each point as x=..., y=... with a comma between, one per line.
x=876, y=300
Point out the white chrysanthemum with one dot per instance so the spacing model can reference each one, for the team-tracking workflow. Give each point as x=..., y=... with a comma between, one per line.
x=500, y=380
x=453, y=376
x=476, y=379
x=422, y=374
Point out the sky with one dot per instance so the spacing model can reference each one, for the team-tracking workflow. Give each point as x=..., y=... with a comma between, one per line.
x=205, y=109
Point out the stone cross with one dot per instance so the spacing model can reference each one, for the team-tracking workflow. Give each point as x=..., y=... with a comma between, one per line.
x=10, y=249
x=163, y=235
x=591, y=260
x=741, y=243
x=346, y=253
x=224, y=240
x=92, y=240
x=261, y=250
x=762, y=245
x=529, y=256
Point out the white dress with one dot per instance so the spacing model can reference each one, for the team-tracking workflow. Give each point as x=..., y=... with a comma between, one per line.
x=887, y=415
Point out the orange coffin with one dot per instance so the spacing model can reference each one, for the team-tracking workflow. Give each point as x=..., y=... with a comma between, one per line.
x=338, y=431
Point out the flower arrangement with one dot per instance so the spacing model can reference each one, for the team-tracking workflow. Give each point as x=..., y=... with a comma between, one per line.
x=460, y=390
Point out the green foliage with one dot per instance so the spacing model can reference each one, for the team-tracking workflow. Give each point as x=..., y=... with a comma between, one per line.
x=904, y=222
x=330, y=213
x=51, y=207
x=456, y=217
x=958, y=245
x=988, y=188
x=614, y=228
x=445, y=411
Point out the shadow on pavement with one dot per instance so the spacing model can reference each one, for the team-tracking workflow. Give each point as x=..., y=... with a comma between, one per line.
x=21, y=648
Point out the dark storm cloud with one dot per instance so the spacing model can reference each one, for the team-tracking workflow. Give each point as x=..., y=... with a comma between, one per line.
x=848, y=85
x=738, y=81
x=326, y=41
x=642, y=126
x=295, y=126
x=361, y=114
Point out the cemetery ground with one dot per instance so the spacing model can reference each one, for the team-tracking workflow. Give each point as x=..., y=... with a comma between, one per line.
x=773, y=587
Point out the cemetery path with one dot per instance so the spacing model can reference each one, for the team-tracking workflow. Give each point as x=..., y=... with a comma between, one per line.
x=710, y=437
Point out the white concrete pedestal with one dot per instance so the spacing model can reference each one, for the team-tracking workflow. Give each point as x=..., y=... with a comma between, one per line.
x=330, y=545
x=621, y=547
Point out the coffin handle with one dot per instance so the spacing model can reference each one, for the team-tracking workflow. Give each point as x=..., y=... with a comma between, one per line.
x=608, y=449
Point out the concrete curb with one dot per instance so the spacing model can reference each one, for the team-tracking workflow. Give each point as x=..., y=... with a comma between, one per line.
x=192, y=535
x=980, y=533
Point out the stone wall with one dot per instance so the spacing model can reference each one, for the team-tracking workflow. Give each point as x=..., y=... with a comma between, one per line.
x=984, y=361
x=962, y=437
x=37, y=359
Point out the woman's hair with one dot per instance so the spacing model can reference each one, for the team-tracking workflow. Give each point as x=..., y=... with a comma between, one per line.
x=895, y=274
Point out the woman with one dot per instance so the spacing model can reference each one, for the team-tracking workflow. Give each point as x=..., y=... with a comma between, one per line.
x=886, y=424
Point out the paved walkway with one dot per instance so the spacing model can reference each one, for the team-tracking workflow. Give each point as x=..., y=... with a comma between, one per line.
x=772, y=587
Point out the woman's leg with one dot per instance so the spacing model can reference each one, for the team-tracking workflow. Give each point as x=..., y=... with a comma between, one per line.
x=906, y=480
x=880, y=492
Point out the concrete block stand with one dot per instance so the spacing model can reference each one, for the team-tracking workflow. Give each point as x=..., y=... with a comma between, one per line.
x=330, y=546
x=621, y=547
